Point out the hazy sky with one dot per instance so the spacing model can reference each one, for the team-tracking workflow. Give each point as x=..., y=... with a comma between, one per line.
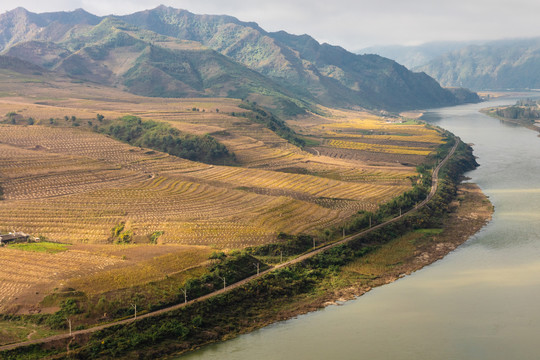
x=353, y=24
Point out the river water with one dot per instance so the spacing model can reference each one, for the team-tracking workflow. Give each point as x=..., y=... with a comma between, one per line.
x=482, y=301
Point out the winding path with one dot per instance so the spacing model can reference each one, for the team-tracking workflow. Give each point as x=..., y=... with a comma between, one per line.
x=434, y=185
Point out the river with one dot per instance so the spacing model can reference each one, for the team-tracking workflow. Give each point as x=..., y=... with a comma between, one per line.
x=482, y=301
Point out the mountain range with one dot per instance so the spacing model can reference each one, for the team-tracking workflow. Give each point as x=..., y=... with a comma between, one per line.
x=486, y=65
x=168, y=52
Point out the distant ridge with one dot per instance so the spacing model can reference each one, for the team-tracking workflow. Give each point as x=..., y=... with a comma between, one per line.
x=414, y=56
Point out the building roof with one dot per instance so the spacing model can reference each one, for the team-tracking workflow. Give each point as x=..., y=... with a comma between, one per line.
x=13, y=236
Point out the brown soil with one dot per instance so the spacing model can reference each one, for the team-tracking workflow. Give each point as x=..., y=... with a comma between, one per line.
x=40, y=273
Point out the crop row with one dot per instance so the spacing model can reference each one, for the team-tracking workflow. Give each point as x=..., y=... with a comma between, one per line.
x=431, y=137
x=74, y=142
x=95, y=182
x=390, y=149
x=306, y=184
x=198, y=214
x=142, y=272
x=23, y=270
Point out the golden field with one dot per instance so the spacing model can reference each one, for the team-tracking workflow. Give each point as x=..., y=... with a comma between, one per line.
x=71, y=185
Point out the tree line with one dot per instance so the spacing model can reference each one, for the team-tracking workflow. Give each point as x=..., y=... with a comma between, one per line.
x=523, y=110
x=162, y=137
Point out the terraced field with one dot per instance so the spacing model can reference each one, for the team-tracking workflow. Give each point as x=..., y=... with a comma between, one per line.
x=371, y=139
x=27, y=276
x=72, y=185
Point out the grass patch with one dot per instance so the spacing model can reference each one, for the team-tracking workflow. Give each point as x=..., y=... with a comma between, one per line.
x=429, y=231
x=379, y=261
x=310, y=141
x=410, y=122
x=12, y=331
x=43, y=247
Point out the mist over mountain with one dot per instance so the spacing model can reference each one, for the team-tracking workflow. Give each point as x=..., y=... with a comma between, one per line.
x=415, y=56
x=173, y=53
x=503, y=64
x=480, y=65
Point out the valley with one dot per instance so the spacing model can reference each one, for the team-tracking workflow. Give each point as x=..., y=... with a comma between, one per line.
x=66, y=183
x=168, y=179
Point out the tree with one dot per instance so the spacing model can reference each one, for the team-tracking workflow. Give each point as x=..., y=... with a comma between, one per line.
x=155, y=236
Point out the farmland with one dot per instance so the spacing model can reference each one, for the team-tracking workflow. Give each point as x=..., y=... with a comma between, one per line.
x=69, y=184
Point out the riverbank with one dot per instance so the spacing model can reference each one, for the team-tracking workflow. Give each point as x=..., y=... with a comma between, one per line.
x=287, y=291
x=478, y=302
x=400, y=257
x=524, y=123
x=413, y=251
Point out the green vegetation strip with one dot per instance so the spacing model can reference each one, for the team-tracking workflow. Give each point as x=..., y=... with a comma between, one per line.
x=266, y=118
x=43, y=247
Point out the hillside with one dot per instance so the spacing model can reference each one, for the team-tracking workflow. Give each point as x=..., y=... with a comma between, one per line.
x=148, y=167
x=79, y=159
x=504, y=64
x=174, y=53
x=330, y=74
x=116, y=54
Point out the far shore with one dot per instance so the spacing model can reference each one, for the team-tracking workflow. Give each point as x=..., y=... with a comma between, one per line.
x=511, y=121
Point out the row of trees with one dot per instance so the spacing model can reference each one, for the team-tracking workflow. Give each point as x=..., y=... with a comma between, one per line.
x=519, y=112
x=259, y=115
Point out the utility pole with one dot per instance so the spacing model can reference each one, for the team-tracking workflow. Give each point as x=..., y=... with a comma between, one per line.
x=370, y=221
x=344, y=232
x=224, y=283
x=257, y=265
x=399, y=212
x=184, y=290
x=313, y=242
x=135, y=307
